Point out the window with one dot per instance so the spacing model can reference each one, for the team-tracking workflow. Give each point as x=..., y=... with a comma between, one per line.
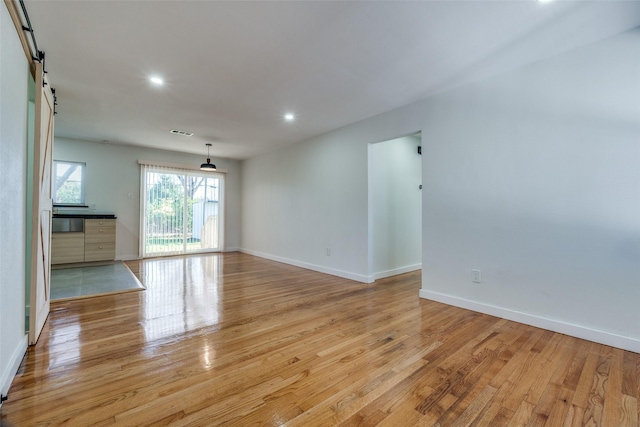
x=68, y=184
x=183, y=211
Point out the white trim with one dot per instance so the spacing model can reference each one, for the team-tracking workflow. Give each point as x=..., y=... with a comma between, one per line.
x=142, y=212
x=222, y=212
x=12, y=367
x=370, y=209
x=578, y=331
x=321, y=269
x=231, y=250
x=396, y=271
x=177, y=166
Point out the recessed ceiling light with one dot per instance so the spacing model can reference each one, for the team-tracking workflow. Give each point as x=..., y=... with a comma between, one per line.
x=156, y=80
x=545, y=1
x=289, y=117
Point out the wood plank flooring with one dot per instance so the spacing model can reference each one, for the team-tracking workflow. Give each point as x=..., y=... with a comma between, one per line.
x=235, y=340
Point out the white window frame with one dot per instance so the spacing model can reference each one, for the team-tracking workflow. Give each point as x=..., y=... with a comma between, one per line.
x=83, y=167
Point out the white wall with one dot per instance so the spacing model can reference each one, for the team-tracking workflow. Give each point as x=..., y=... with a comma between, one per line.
x=542, y=193
x=395, y=206
x=14, y=75
x=531, y=177
x=112, y=172
x=300, y=201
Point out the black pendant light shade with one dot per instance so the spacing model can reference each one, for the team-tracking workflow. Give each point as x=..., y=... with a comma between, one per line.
x=208, y=166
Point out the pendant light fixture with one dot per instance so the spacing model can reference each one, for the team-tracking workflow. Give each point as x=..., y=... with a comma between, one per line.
x=208, y=166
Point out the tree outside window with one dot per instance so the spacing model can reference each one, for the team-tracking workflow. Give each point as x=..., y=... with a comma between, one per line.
x=68, y=185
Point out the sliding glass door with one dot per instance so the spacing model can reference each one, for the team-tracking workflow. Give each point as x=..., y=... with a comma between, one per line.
x=182, y=211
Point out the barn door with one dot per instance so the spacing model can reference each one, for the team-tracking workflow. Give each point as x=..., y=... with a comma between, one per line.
x=42, y=207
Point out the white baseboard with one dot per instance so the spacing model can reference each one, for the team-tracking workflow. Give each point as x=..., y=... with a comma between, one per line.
x=231, y=250
x=396, y=271
x=6, y=377
x=602, y=337
x=308, y=266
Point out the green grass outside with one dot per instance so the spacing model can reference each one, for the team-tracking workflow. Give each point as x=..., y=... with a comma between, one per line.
x=159, y=246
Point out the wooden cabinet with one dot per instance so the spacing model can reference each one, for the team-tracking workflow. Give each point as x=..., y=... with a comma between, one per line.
x=67, y=248
x=96, y=243
x=99, y=239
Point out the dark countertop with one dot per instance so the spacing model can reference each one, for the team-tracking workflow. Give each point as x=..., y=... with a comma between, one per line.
x=85, y=215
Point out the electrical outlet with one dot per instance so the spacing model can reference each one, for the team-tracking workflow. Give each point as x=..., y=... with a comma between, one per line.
x=476, y=276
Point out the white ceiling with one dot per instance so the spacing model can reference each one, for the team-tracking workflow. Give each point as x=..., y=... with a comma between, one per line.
x=232, y=69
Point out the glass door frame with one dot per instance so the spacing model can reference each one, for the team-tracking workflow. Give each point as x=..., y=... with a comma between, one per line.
x=186, y=174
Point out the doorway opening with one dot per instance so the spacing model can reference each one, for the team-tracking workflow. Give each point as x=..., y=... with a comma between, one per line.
x=31, y=129
x=395, y=206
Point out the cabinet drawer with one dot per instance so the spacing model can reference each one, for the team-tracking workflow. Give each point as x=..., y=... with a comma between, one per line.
x=95, y=224
x=100, y=235
x=99, y=251
x=67, y=248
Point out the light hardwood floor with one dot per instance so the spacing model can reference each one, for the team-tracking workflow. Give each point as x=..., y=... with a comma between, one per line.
x=231, y=339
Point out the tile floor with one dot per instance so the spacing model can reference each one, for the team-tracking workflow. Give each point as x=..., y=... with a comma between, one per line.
x=95, y=280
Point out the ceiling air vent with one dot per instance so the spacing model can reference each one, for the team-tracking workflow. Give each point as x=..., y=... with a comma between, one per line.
x=181, y=132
